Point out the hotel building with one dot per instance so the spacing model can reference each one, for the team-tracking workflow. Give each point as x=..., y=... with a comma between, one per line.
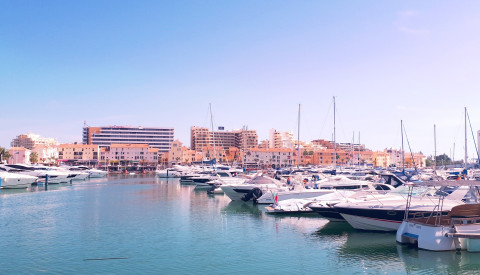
x=45, y=148
x=281, y=139
x=242, y=139
x=159, y=138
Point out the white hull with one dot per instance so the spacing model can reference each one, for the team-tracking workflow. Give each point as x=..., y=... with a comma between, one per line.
x=97, y=173
x=12, y=180
x=269, y=197
x=366, y=223
x=170, y=174
x=81, y=176
x=429, y=237
x=233, y=191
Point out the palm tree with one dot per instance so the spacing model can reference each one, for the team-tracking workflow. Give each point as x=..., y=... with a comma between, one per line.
x=33, y=157
x=4, y=154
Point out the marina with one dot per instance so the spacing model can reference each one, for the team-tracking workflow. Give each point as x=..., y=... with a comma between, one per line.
x=244, y=137
x=125, y=223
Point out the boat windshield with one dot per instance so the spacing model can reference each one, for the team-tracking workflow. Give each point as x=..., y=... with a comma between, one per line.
x=417, y=190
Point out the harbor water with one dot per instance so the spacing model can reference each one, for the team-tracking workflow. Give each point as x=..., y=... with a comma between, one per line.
x=141, y=224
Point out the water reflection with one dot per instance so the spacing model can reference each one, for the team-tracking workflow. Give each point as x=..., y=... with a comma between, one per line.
x=240, y=207
x=450, y=262
x=301, y=224
x=378, y=252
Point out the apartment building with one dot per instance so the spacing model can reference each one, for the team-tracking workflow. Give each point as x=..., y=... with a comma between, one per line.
x=281, y=139
x=45, y=148
x=155, y=137
x=78, y=152
x=129, y=153
x=272, y=157
x=241, y=139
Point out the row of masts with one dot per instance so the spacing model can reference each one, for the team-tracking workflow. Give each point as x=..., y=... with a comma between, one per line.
x=335, y=143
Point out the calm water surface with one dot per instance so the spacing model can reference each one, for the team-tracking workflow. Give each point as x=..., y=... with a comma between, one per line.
x=136, y=224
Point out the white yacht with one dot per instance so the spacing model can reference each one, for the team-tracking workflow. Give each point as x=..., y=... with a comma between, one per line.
x=93, y=173
x=14, y=180
x=323, y=204
x=168, y=173
x=322, y=187
x=72, y=174
x=437, y=230
x=37, y=171
x=386, y=212
x=253, y=188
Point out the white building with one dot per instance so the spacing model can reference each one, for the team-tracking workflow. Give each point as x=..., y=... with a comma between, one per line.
x=281, y=139
x=273, y=157
x=105, y=136
x=129, y=152
x=45, y=148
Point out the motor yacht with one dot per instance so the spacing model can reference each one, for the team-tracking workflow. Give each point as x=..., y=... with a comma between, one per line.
x=304, y=190
x=72, y=174
x=386, y=212
x=253, y=188
x=440, y=230
x=93, y=173
x=15, y=180
x=41, y=172
x=168, y=173
x=337, y=192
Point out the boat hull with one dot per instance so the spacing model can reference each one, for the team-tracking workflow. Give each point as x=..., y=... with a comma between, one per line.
x=428, y=237
x=372, y=219
x=328, y=213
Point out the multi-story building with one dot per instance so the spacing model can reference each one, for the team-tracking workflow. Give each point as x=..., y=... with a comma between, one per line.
x=129, y=153
x=45, y=148
x=156, y=137
x=397, y=158
x=273, y=157
x=241, y=139
x=245, y=139
x=326, y=157
x=78, y=152
x=381, y=159
x=177, y=152
x=281, y=139
x=30, y=140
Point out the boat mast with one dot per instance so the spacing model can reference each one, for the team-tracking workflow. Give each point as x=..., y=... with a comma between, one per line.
x=466, y=152
x=353, y=148
x=213, y=137
x=435, y=148
x=298, y=138
x=403, y=151
x=334, y=140
x=359, y=148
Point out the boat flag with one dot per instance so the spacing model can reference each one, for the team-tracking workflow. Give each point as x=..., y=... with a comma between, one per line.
x=276, y=198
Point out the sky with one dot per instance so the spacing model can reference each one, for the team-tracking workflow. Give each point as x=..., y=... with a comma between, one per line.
x=161, y=63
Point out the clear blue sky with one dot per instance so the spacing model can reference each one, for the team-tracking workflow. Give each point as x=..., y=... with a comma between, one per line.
x=160, y=63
